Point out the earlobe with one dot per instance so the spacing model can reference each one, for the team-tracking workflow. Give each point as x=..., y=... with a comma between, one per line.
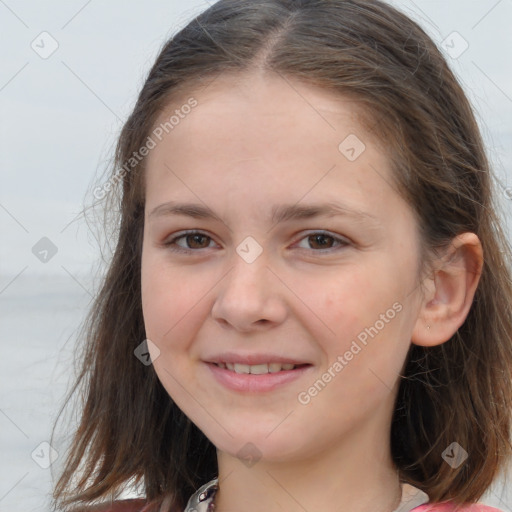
x=449, y=292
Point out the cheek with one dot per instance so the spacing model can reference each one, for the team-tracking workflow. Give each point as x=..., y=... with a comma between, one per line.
x=367, y=312
x=170, y=307
x=167, y=299
x=352, y=299
x=176, y=302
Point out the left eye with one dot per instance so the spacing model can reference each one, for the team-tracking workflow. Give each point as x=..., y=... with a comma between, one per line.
x=319, y=241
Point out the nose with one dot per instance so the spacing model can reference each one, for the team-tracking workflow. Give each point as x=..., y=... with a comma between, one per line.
x=249, y=298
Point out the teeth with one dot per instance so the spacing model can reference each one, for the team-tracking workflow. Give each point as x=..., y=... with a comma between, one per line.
x=257, y=369
x=242, y=368
x=274, y=367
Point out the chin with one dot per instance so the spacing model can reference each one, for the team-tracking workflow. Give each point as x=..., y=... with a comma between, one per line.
x=251, y=444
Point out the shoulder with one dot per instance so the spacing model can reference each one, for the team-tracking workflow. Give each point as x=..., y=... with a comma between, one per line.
x=452, y=507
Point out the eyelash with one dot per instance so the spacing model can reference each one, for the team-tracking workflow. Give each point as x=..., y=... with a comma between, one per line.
x=172, y=245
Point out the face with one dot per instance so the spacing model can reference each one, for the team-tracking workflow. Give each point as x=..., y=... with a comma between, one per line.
x=279, y=269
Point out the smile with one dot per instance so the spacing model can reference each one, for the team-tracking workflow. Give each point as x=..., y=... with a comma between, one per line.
x=257, y=378
x=257, y=369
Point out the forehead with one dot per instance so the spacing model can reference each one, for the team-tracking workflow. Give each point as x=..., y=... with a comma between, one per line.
x=267, y=133
x=269, y=96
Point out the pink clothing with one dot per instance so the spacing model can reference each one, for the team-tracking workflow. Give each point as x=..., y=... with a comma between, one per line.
x=450, y=507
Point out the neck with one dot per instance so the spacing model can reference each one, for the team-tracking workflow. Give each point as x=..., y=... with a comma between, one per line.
x=345, y=477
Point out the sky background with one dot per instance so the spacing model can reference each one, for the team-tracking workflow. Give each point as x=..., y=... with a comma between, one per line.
x=59, y=118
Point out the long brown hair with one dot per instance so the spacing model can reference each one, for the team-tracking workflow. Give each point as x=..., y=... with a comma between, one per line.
x=461, y=391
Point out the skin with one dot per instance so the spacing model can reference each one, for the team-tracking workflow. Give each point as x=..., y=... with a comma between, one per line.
x=252, y=143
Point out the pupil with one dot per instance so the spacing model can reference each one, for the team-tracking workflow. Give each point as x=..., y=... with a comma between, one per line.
x=321, y=240
x=196, y=241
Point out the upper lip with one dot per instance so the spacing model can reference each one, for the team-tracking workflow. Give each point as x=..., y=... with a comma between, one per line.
x=253, y=359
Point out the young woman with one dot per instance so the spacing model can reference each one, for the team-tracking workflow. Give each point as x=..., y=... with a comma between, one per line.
x=309, y=307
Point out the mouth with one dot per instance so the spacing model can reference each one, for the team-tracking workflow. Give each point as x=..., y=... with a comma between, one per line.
x=259, y=369
x=257, y=378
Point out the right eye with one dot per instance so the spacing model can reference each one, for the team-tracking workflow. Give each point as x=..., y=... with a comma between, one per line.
x=189, y=241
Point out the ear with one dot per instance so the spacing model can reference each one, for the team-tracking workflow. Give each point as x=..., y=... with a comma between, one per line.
x=449, y=291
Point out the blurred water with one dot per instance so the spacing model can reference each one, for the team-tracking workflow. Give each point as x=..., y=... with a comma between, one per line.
x=39, y=319
x=39, y=316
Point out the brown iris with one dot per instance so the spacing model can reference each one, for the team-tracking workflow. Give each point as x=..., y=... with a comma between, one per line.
x=321, y=241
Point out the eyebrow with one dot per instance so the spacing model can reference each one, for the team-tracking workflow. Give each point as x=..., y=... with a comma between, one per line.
x=279, y=214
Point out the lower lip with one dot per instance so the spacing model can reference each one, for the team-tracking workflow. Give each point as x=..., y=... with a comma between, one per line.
x=256, y=383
